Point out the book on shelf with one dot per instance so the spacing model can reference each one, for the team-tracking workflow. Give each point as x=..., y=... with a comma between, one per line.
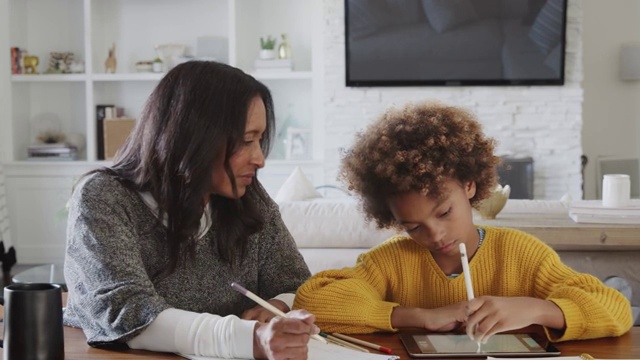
x=101, y=112
x=57, y=151
x=116, y=131
x=605, y=219
x=273, y=65
x=51, y=146
x=51, y=149
x=16, y=60
x=594, y=207
x=273, y=70
x=53, y=158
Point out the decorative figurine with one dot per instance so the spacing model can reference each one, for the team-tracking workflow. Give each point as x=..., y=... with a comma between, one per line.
x=31, y=64
x=59, y=62
x=110, y=63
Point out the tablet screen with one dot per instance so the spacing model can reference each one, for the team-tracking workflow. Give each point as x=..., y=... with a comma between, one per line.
x=461, y=345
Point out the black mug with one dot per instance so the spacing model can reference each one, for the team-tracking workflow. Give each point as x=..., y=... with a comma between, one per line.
x=33, y=322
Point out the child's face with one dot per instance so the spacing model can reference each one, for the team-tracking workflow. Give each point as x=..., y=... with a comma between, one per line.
x=438, y=224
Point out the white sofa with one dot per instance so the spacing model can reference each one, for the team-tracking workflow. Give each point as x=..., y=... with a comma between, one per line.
x=331, y=232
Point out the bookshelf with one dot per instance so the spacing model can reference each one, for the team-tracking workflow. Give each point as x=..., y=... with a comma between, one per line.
x=88, y=28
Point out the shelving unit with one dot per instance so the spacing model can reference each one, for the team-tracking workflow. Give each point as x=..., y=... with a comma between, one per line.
x=88, y=28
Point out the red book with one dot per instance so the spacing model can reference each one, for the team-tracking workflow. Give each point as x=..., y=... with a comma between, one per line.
x=15, y=61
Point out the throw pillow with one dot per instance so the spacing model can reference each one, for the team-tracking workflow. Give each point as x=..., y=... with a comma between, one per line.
x=444, y=15
x=297, y=187
x=546, y=31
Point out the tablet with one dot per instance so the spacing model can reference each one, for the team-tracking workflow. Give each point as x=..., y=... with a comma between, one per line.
x=459, y=345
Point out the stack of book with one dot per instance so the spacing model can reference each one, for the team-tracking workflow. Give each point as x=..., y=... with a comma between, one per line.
x=273, y=65
x=592, y=211
x=57, y=151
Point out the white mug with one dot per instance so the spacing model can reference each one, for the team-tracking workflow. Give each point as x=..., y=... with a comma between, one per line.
x=616, y=189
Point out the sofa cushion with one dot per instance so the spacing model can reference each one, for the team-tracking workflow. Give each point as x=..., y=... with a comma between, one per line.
x=296, y=187
x=331, y=223
x=330, y=258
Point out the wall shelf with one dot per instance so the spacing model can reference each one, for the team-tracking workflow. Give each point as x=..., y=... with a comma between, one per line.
x=127, y=77
x=48, y=77
x=275, y=75
x=38, y=190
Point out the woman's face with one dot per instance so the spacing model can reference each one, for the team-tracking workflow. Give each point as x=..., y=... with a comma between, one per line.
x=248, y=157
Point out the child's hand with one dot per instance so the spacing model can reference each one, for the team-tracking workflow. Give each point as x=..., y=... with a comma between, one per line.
x=446, y=318
x=489, y=315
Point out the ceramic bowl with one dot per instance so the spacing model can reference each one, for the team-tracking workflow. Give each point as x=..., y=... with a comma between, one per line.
x=144, y=66
x=491, y=206
x=169, y=53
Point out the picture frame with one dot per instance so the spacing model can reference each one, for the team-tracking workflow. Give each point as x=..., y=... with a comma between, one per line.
x=298, y=146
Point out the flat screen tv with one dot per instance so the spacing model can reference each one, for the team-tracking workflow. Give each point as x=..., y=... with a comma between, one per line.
x=454, y=42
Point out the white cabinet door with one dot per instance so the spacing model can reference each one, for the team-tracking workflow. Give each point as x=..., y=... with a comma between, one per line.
x=37, y=211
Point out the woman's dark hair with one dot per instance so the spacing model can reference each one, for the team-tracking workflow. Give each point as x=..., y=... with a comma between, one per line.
x=197, y=112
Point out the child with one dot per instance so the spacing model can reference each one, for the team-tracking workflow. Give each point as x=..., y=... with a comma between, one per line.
x=422, y=169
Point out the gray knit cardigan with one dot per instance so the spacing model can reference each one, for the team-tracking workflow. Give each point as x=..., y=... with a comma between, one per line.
x=116, y=253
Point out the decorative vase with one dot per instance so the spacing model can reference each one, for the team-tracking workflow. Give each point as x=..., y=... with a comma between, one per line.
x=284, y=50
x=267, y=54
x=491, y=206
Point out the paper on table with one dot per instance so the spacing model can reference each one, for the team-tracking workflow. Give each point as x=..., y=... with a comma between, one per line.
x=533, y=358
x=541, y=358
x=320, y=351
x=545, y=358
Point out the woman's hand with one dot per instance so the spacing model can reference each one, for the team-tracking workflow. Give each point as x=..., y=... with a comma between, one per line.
x=263, y=315
x=489, y=315
x=284, y=338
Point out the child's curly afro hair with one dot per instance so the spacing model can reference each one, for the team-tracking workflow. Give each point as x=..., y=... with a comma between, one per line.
x=417, y=148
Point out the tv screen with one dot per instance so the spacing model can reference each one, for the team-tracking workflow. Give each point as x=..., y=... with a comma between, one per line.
x=454, y=42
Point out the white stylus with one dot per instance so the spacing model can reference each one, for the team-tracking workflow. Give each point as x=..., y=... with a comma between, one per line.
x=239, y=288
x=467, y=281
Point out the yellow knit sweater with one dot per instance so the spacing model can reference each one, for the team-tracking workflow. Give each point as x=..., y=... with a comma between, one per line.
x=399, y=272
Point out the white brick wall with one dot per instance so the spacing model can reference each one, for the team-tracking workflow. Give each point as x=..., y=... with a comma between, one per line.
x=543, y=122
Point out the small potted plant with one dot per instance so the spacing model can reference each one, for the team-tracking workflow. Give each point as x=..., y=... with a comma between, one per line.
x=157, y=65
x=267, y=46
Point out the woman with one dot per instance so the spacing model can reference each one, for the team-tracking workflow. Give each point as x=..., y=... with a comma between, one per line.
x=155, y=240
